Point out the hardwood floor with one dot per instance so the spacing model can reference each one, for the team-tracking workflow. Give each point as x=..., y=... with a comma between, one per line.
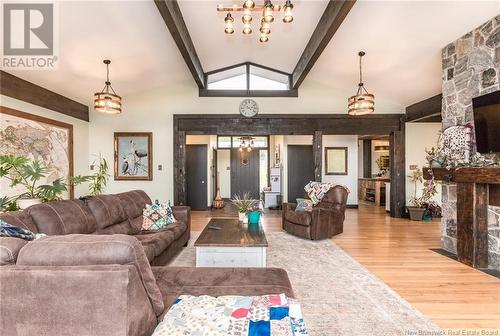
x=398, y=252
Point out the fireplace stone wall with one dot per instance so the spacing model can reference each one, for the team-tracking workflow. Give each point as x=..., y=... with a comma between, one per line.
x=471, y=68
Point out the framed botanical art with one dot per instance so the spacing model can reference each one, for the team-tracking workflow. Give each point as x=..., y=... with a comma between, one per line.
x=47, y=141
x=335, y=160
x=134, y=156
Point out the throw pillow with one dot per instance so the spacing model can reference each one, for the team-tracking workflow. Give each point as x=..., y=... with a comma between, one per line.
x=156, y=216
x=303, y=205
x=8, y=230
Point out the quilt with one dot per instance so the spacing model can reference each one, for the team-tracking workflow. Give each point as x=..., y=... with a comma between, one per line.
x=267, y=315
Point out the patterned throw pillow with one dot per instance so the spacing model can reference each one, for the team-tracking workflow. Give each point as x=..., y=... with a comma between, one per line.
x=156, y=216
x=8, y=230
x=304, y=205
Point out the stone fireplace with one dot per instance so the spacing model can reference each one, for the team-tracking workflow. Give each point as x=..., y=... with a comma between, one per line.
x=471, y=68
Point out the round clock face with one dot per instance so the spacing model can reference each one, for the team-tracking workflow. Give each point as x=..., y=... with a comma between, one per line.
x=249, y=108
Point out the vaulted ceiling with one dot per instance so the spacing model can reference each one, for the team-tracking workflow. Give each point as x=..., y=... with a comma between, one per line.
x=402, y=39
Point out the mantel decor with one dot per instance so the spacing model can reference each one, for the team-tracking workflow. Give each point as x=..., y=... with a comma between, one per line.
x=265, y=10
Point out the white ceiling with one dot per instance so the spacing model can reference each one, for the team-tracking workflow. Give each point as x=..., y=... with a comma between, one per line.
x=217, y=49
x=403, y=41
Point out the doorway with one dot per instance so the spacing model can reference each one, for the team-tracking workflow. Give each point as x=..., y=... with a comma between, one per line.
x=300, y=170
x=245, y=172
x=196, y=176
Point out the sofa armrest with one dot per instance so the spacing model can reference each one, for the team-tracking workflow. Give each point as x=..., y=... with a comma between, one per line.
x=9, y=249
x=86, y=250
x=74, y=300
x=289, y=207
x=183, y=213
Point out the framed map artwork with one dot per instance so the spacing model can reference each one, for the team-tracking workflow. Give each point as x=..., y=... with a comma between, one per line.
x=38, y=138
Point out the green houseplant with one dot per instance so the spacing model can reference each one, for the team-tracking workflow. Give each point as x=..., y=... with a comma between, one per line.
x=419, y=203
x=244, y=204
x=27, y=173
x=99, y=180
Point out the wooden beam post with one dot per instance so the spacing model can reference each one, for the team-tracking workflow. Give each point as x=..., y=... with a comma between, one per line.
x=367, y=158
x=180, y=197
x=171, y=14
x=318, y=155
x=330, y=21
x=425, y=110
x=472, y=224
x=398, y=176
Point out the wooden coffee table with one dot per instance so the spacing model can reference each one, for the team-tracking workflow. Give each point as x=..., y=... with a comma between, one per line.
x=234, y=245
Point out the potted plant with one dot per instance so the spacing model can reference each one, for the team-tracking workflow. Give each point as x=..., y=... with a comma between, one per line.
x=419, y=203
x=254, y=215
x=99, y=180
x=434, y=157
x=27, y=173
x=243, y=203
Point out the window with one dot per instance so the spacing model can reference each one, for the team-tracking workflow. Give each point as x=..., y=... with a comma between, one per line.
x=234, y=141
x=248, y=80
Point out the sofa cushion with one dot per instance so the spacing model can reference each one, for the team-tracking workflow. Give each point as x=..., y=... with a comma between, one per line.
x=71, y=250
x=157, y=240
x=133, y=202
x=174, y=281
x=20, y=219
x=110, y=215
x=9, y=249
x=298, y=217
x=63, y=217
x=177, y=228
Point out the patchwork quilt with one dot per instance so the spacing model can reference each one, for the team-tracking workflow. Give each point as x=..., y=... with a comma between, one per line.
x=317, y=190
x=267, y=315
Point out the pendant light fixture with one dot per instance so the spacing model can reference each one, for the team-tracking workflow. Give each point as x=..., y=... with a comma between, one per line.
x=362, y=102
x=107, y=101
x=229, y=24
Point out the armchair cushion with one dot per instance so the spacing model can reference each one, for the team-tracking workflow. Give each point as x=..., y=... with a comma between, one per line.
x=79, y=250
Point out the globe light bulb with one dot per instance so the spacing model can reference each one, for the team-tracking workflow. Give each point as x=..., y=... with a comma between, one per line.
x=229, y=24
x=288, y=12
x=247, y=29
x=248, y=4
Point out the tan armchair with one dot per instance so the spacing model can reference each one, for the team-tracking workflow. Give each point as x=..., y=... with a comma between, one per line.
x=324, y=221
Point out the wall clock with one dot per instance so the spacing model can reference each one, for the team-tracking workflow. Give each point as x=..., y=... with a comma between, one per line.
x=249, y=108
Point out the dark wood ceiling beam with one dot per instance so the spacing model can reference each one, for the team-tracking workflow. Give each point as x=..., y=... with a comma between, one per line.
x=21, y=89
x=330, y=21
x=426, y=110
x=171, y=14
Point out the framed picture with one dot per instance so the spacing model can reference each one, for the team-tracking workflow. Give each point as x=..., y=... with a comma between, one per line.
x=335, y=160
x=48, y=141
x=134, y=156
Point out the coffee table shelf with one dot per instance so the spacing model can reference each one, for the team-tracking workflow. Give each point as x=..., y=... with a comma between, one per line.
x=234, y=245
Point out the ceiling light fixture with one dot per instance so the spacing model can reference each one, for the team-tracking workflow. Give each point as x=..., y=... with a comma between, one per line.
x=246, y=143
x=266, y=10
x=107, y=101
x=362, y=102
x=229, y=24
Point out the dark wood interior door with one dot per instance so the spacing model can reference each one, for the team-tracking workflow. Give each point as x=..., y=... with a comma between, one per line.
x=300, y=170
x=245, y=173
x=196, y=176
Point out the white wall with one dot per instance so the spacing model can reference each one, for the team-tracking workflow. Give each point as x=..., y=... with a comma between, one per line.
x=80, y=136
x=418, y=137
x=360, y=159
x=223, y=167
x=351, y=179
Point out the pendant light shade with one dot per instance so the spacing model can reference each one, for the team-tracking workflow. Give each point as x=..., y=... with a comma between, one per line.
x=362, y=102
x=107, y=101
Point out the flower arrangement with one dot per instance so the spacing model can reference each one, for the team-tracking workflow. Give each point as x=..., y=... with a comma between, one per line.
x=244, y=203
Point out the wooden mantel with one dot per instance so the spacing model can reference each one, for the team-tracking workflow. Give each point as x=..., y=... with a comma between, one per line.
x=472, y=209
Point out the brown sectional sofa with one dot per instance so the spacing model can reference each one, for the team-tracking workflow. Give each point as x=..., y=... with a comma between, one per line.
x=104, y=215
x=93, y=276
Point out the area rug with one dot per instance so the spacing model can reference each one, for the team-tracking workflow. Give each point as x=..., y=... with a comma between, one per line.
x=337, y=294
